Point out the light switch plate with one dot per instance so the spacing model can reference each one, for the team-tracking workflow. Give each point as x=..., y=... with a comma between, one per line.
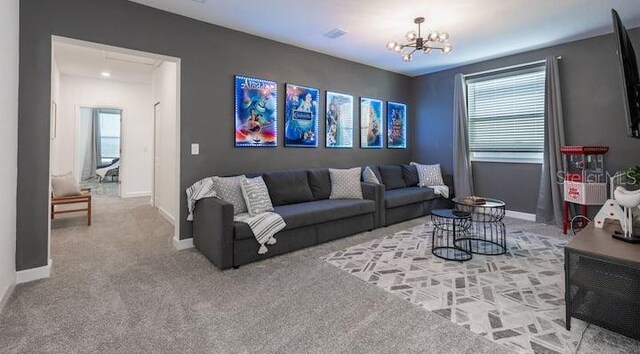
x=195, y=149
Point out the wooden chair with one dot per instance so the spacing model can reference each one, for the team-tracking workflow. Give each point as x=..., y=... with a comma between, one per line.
x=85, y=197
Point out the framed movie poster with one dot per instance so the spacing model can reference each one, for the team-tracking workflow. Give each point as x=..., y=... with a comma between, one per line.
x=301, y=116
x=256, y=111
x=396, y=125
x=339, y=117
x=371, y=124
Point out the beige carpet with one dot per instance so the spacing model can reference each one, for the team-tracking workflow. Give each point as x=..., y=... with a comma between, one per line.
x=120, y=287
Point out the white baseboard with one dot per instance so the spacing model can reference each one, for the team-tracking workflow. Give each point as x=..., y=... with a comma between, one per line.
x=27, y=275
x=183, y=244
x=4, y=298
x=520, y=215
x=167, y=216
x=135, y=194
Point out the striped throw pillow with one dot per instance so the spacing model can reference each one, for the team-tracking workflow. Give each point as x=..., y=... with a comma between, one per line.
x=256, y=196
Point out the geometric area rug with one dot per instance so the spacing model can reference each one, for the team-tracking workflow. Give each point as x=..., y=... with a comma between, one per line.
x=515, y=299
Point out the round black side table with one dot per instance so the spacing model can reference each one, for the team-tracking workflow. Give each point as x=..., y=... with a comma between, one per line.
x=449, y=239
x=487, y=234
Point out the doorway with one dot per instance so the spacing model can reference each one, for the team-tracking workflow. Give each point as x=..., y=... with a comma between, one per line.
x=115, y=130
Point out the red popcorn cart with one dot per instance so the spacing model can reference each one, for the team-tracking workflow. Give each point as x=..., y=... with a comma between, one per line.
x=585, y=180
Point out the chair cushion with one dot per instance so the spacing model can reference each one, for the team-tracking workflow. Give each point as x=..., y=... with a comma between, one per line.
x=320, y=183
x=392, y=177
x=405, y=196
x=410, y=175
x=65, y=185
x=288, y=187
x=312, y=213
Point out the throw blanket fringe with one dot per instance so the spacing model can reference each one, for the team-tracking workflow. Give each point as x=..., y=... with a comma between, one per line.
x=264, y=226
x=442, y=190
x=204, y=188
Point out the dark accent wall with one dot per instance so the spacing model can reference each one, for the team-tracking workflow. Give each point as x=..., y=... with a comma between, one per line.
x=210, y=57
x=593, y=112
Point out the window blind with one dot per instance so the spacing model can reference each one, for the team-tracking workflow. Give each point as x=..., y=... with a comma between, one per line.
x=506, y=111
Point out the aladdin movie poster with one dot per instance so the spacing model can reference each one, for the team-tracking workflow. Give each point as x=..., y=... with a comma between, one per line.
x=256, y=111
x=371, y=130
x=339, y=120
x=396, y=125
x=301, y=116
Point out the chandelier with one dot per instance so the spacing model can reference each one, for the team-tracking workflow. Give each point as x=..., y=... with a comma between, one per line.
x=433, y=41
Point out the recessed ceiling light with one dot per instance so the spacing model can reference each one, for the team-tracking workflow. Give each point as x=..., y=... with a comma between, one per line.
x=105, y=74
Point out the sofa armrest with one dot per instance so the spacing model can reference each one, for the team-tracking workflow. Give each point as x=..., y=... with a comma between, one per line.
x=375, y=192
x=213, y=231
x=448, y=181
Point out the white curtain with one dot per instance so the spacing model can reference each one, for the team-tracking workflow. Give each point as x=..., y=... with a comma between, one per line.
x=550, y=196
x=462, y=173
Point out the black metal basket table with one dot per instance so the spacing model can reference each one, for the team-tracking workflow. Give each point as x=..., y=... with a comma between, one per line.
x=487, y=234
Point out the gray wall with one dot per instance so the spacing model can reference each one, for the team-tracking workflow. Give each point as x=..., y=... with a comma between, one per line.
x=210, y=56
x=593, y=111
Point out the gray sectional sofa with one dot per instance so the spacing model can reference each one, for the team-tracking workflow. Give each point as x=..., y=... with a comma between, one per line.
x=301, y=197
x=403, y=199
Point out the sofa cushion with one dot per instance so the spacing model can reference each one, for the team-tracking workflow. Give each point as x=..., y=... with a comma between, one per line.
x=256, y=195
x=320, y=183
x=409, y=195
x=392, y=177
x=410, y=175
x=288, y=187
x=228, y=189
x=312, y=213
x=429, y=175
x=345, y=183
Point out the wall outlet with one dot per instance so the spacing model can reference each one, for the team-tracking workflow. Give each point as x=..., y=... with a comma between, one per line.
x=195, y=149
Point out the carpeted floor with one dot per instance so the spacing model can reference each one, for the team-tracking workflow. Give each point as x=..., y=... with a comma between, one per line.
x=119, y=286
x=107, y=188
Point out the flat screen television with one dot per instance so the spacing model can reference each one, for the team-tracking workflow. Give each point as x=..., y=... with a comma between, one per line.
x=630, y=76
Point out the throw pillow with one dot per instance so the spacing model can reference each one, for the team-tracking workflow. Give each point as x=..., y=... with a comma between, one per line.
x=392, y=177
x=345, y=184
x=429, y=175
x=410, y=175
x=229, y=190
x=256, y=195
x=65, y=185
x=369, y=177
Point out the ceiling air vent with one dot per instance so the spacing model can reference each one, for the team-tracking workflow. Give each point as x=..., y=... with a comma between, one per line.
x=335, y=33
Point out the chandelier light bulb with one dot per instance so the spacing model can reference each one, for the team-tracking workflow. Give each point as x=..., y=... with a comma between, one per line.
x=411, y=36
x=391, y=45
x=397, y=48
x=443, y=36
x=406, y=57
x=446, y=49
x=427, y=50
x=433, y=36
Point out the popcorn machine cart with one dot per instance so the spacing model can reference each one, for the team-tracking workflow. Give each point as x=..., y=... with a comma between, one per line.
x=585, y=181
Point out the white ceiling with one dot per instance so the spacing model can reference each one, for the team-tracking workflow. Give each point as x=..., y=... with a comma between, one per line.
x=479, y=29
x=88, y=61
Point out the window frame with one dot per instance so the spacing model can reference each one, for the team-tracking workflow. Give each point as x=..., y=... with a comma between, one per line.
x=519, y=157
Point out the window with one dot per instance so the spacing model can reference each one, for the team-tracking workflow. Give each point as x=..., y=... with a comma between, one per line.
x=506, y=115
x=109, y=135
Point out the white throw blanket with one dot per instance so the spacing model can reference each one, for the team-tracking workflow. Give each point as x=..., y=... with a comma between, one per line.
x=442, y=190
x=204, y=188
x=264, y=226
